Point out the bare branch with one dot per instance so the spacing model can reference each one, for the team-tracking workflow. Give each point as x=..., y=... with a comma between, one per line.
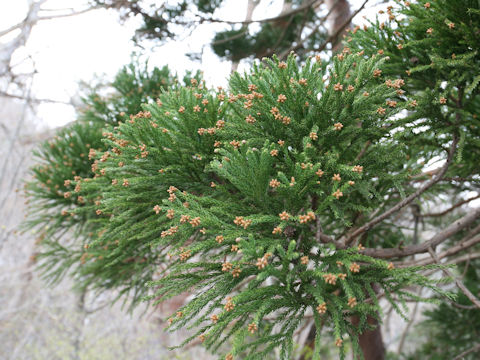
x=466, y=243
x=320, y=236
x=35, y=100
x=230, y=38
x=408, y=199
x=203, y=19
x=73, y=13
x=463, y=245
x=251, y=6
x=466, y=257
x=440, y=237
x=48, y=17
x=459, y=284
x=302, y=41
x=452, y=208
x=473, y=232
x=19, y=40
x=363, y=151
x=271, y=19
x=29, y=20
x=466, y=352
x=463, y=307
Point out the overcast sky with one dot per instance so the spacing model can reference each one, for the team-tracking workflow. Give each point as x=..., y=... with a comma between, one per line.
x=68, y=50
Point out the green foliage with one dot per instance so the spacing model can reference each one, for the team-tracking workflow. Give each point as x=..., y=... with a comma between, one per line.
x=230, y=191
x=53, y=193
x=247, y=197
x=133, y=85
x=436, y=46
x=148, y=152
x=439, y=53
x=51, y=196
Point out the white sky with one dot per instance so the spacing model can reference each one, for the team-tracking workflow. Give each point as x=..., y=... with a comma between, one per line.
x=71, y=49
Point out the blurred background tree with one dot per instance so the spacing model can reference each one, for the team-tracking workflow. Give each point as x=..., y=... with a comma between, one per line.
x=269, y=27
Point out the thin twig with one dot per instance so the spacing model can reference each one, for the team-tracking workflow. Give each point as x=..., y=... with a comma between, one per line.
x=410, y=198
x=202, y=19
x=464, y=244
x=271, y=19
x=230, y=38
x=314, y=30
x=364, y=150
x=463, y=307
x=451, y=208
x=409, y=324
x=436, y=240
x=466, y=257
x=48, y=17
x=466, y=352
x=459, y=284
x=35, y=100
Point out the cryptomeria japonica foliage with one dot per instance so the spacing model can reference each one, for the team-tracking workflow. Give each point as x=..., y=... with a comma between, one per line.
x=435, y=44
x=68, y=157
x=235, y=192
x=269, y=201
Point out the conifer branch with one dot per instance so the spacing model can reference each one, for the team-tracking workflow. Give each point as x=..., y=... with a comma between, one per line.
x=227, y=188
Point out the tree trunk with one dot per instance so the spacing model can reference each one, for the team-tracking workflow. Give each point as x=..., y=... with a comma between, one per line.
x=339, y=15
x=371, y=341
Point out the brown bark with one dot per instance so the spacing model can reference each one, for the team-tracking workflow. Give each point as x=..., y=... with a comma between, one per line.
x=371, y=341
x=436, y=240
